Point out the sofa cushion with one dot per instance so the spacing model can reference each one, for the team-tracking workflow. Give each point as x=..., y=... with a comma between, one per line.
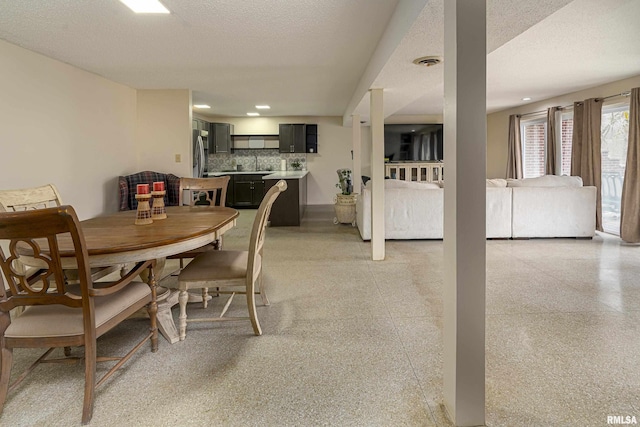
x=546, y=181
x=497, y=182
x=397, y=183
x=553, y=212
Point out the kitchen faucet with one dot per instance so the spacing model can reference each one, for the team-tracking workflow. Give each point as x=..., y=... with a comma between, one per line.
x=256, y=156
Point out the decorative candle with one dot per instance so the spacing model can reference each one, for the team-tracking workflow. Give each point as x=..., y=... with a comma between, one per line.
x=142, y=188
x=158, y=186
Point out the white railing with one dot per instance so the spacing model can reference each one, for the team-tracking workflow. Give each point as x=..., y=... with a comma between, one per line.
x=426, y=172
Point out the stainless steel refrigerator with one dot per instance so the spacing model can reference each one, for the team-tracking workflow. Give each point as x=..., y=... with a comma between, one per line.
x=200, y=151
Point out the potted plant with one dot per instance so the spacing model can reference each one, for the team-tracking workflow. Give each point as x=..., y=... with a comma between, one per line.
x=345, y=205
x=296, y=165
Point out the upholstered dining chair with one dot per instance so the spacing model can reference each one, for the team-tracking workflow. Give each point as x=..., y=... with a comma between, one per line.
x=202, y=192
x=231, y=271
x=57, y=314
x=127, y=188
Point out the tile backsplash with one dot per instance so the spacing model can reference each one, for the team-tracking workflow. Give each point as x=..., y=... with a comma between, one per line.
x=264, y=160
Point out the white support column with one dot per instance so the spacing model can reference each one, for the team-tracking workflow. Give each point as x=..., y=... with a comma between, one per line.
x=357, y=152
x=377, y=175
x=465, y=121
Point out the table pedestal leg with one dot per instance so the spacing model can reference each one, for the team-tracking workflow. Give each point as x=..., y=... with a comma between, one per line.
x=165, y=319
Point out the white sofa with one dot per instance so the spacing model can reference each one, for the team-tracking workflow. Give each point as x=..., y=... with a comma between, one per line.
x=548, y=206
x=552, y=206
x=412, y=210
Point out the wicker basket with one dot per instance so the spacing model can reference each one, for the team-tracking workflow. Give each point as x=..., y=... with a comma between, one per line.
x=345, y=209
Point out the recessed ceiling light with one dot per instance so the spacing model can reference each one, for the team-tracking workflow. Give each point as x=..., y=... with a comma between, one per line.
x=145, y=6
x=201, y=106
x=253, y=114
x=263, y=107
x=428, y=61
x=526, y=98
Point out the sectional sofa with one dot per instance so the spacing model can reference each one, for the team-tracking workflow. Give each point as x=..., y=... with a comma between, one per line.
x=548, y=206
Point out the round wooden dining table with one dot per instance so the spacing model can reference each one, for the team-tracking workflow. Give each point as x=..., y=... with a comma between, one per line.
x=115, y=239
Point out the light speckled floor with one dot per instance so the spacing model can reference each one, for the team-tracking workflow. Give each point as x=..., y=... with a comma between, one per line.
x=350, y=342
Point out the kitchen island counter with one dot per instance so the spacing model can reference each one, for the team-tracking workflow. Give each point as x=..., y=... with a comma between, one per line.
x=289, y=208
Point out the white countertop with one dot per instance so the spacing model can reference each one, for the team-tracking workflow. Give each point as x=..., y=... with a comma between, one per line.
x=286, y=175
x=267, y=174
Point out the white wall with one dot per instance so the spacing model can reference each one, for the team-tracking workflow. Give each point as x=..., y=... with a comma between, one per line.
x=498, y=123
x=334, y=149
x=164, y=131
x=66, y=126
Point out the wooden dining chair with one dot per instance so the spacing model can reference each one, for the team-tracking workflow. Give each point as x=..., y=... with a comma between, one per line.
x=57, y=314
x=45, y=196
x=202, y=192
x=231, y=272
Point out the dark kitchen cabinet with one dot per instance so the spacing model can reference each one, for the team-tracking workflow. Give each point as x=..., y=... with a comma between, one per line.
x=199, y=124
x=248, y=190
x=298, y=138
x=311, y=138
x=220, y=137
x=292, y=138
x=289, y=207
x=242, y=193
x=258, y=192
x=229, y=200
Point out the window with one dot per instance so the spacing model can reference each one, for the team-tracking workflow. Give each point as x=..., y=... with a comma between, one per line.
x=615, y=137
x=533, y=142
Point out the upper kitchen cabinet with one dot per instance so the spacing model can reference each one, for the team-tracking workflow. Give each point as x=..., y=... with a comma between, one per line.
x=292, y=138
x=199, y=124
x=298, y=138
x=311, y=138
x=220, y=137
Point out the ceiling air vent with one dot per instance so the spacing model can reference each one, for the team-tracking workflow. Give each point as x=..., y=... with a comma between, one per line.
x=428, y=61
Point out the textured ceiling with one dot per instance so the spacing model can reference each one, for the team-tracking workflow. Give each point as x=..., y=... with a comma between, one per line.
x=307, y=57
x=420, y=90
x=535, y=49
x=302, y=57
